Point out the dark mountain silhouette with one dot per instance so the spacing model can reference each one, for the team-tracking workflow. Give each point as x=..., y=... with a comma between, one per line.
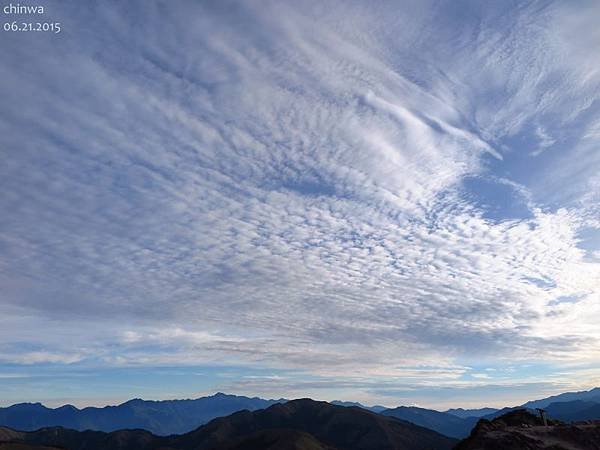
x=8, y=436
x=159, y=417
x=278, y=440
x=520, y=429
x=441, y=422
x=84, y=440
x=502, y=412
x=574, y=411
x=340, y=427
x=299, y=424
x=464, y=413
x=375, y=408
x=17, y=446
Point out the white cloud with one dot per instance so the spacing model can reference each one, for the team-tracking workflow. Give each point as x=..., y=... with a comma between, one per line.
x=285, y=192
x=42, y=357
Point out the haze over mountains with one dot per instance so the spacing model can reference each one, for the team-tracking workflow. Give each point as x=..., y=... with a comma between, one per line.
x=479, y=412
x=374, y=408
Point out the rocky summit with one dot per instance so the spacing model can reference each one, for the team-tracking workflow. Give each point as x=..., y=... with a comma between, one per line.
x=522, y=430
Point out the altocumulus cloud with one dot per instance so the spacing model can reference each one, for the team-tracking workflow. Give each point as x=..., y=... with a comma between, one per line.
x=283, y=186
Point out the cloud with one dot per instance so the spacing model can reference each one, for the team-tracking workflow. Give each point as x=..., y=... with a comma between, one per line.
x=41, y=357
x=545, y=141
x=282, y=187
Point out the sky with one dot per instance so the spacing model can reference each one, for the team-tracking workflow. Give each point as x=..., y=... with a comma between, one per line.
x=395, y=202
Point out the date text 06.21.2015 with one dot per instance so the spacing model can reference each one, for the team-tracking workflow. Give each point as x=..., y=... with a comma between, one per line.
x=16, y=26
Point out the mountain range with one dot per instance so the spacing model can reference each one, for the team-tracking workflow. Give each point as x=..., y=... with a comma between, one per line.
x=568, y=407
x=298, y=424
x=309, y=425
x=441, y=422
x=593, y=395
x=159, y=417
x=181, y=416
x=375, y=408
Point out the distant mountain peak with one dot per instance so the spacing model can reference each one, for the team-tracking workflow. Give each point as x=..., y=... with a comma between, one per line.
x=68, y=407
x=220, y=394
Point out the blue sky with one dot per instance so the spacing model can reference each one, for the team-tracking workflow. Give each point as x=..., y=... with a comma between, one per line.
x=388, y=202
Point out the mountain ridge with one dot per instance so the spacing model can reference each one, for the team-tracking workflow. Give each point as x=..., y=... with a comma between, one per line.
x=441, y=422
x=310, y=424
x=161, y=417
x=165, y=417
x=477, y=412
x=592, y=395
